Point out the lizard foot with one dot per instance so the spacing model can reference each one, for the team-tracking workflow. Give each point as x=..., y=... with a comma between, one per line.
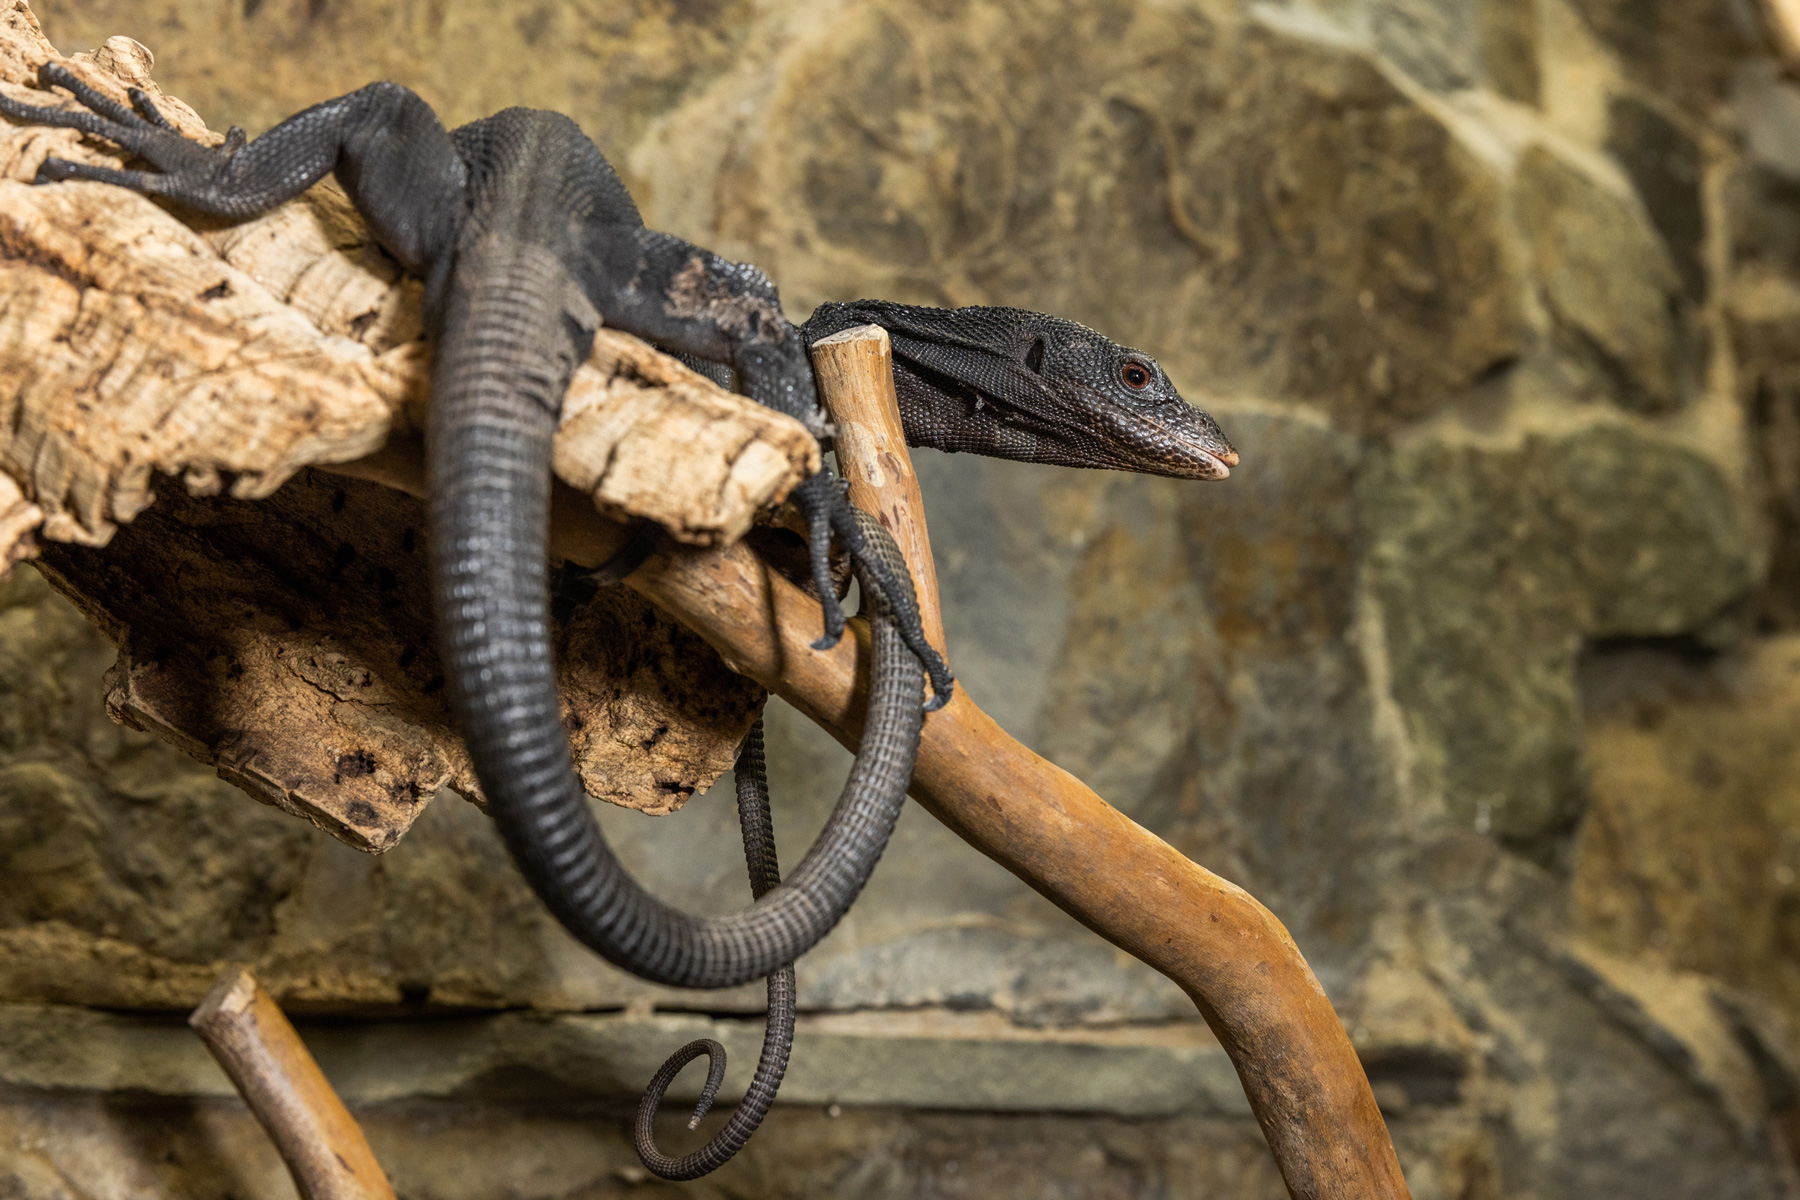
x=142, y=130
x=828, y=510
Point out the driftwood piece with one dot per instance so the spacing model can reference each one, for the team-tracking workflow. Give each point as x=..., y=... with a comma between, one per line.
x=285, y=642
x=259, y=1049
x=855, y=370
x=1229, y=953
x=132, y=346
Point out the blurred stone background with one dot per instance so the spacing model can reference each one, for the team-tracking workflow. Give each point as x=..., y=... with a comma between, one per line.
x=1483, y=672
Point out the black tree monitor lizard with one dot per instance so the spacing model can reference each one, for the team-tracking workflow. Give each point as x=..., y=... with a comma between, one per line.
x=527, y=240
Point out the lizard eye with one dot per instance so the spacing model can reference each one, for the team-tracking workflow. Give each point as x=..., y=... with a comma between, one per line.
x=1135, y=376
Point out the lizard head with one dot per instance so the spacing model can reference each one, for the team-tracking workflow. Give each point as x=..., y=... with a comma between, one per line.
x=1009, y=383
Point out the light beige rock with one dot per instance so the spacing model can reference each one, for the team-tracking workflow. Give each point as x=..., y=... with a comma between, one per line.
x=1690, y=854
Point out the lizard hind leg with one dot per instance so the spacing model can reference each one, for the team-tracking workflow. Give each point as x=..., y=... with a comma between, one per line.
x=757, y=825
x=895, y=585
x=387, y=147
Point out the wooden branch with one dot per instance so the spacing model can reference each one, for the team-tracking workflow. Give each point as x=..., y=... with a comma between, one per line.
x=855, y=370
x=320, y=1141
x=1227, y=951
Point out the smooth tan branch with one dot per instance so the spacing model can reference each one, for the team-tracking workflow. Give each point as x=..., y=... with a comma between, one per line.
x=260, y=1051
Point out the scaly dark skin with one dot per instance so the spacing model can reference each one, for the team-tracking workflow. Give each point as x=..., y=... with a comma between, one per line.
x=526, y=241
x=1011, y=383
x=756, y=823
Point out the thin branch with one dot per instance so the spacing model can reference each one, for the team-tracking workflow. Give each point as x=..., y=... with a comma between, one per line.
x=321, y=1143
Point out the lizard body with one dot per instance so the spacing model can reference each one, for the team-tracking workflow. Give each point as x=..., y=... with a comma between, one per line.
x=1002, y=382
x=527, y=240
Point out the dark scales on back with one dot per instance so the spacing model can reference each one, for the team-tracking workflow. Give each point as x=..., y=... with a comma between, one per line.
x=527, y=240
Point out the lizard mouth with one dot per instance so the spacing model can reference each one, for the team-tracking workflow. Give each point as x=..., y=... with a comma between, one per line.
x=1202, y=463
x=1181, y=462
x=1221, y=463
x=1183, y=442
x=1193, y=454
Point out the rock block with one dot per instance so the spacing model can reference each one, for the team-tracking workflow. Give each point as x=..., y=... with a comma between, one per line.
x=1608, y=279
x=1493, y=568
x=1265, y=212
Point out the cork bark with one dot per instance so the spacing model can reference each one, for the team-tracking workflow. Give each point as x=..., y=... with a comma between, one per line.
x=183, y=407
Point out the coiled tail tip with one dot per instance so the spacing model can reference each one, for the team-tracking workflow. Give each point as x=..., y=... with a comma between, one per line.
x=713, y=1155
x=665, y=1075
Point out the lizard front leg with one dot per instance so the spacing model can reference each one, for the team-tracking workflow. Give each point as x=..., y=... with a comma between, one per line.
x=690, y=301
x=387, y=147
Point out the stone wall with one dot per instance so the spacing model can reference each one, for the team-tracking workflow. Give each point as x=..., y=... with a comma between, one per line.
x=1483, y=671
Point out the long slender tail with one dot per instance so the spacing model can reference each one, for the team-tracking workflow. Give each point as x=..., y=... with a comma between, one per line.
x=504, y=358
x=757, y=824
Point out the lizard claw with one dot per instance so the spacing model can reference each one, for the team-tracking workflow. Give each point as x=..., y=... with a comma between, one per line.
x=828, y=511
x=146, y=108
x=141, y=130
x=818, y=496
